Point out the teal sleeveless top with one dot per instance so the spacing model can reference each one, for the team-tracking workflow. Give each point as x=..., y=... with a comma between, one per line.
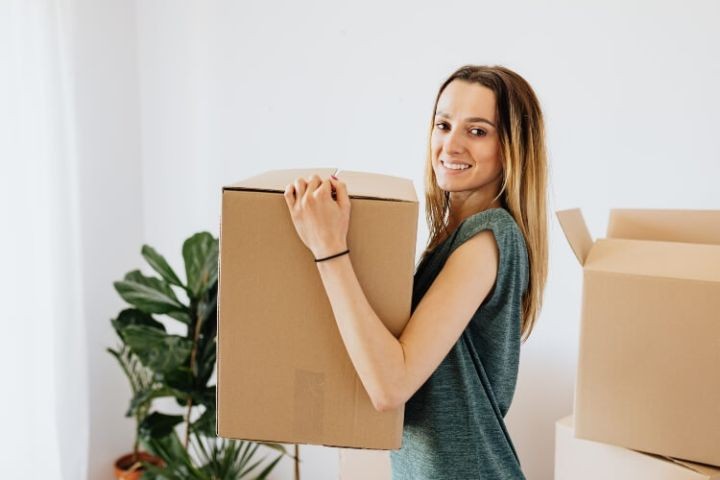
x=454, y=424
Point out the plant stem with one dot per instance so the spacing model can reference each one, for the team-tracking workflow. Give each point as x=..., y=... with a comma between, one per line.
x=136, y=443
x=187, y=423
x=193, y=352
x=193, y=369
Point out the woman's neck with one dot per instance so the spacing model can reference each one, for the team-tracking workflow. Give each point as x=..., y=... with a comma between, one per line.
x=456, y=217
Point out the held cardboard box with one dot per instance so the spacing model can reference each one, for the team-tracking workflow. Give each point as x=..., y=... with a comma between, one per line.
x=648, y=375
x=284, y=374
x=577, y=459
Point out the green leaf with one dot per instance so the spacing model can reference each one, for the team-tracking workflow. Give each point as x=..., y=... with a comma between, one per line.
x=205, y=359
x=279, y=447
x=207, y=309
x=208, y=329
x=160, y=265
x=145, y=396
x=205, y=397
x=249, y=468
x=180, y=379
x=263, y=475
x=247, y=455
x=158, y=425
x=206, y=423
x=149, y=294
x=133, y=316
x=200, y=253
x=178, y=464
x=183, y=316
x=169, y=448
x=157, y=350
x=137, y=374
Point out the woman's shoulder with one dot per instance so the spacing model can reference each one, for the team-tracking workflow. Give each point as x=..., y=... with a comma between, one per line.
x=508, y=237
x=500, y=220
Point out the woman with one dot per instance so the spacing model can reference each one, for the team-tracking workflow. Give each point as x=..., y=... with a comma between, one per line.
x=477, y=289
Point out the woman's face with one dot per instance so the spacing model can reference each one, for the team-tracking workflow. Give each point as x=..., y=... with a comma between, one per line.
x=464, y=133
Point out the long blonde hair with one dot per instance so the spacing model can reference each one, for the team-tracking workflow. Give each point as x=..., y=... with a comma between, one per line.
x=521, y=133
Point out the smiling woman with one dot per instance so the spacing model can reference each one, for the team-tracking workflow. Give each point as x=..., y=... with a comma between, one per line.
x=476, y=290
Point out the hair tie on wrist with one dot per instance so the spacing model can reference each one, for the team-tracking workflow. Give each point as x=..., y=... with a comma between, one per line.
x=332, y=256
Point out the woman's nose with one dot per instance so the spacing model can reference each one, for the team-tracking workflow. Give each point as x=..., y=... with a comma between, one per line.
x=452, y=142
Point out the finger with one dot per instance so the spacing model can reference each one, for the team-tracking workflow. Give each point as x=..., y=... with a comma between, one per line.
x=323, y=189
x=289, y=194
x=340, y=192
x=313, y=184
x=300, y=186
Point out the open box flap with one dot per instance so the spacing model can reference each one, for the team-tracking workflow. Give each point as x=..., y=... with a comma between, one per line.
x=691, y=226
x=359, y=184
x=576, y=232
x=658, y=259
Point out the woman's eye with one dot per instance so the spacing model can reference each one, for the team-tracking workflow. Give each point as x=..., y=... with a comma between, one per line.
x=481, y=132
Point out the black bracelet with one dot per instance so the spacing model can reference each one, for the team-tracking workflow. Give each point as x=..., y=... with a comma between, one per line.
x=332, y=256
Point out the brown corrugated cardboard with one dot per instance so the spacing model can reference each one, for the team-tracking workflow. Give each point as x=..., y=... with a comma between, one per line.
x=649, y=352
x=577, y=459
x=284, y=374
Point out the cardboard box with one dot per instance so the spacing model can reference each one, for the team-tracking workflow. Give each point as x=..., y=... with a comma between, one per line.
x=577, y=459
x=364, y=464
x=648, y=374
x=284, y=374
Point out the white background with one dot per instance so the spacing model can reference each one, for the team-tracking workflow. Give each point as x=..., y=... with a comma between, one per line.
x=175, y=99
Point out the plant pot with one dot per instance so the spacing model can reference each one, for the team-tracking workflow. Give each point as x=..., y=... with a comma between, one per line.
x=126, y=469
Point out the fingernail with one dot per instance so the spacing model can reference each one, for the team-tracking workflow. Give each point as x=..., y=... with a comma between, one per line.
x=334, y=177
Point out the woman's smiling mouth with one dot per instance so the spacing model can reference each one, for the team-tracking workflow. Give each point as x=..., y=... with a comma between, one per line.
x=454, y=167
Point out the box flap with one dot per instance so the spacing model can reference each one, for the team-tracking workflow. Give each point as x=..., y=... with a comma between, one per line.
x=659, y=259
x=359, y=184
x=701, y=468
x=692, y=226
x=576, y=232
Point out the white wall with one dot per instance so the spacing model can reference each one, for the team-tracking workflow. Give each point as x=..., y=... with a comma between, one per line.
x=224, y=90
x=103, y=50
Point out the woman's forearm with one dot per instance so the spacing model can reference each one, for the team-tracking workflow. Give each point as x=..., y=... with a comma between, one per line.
x=376, y=354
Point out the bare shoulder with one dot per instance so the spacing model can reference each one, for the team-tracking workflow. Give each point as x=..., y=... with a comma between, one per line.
x=477, y=251
x=470, y=271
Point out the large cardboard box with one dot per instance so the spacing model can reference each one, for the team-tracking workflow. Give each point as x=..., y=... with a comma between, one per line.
x=648, y=375
x=577, y=459
x=284, y=374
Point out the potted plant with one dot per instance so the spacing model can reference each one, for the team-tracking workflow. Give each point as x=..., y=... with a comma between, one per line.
x=130, y=466
x=178, y=366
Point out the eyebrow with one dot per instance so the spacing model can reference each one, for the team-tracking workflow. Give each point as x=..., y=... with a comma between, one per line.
x=469, y=119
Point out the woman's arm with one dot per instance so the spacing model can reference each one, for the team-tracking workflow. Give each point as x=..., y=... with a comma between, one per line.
x=391, y=369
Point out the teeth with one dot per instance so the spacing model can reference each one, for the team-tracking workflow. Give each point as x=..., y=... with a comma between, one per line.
x=456, y=166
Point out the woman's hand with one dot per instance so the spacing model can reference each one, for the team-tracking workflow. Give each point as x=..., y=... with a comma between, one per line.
x=321, y=221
